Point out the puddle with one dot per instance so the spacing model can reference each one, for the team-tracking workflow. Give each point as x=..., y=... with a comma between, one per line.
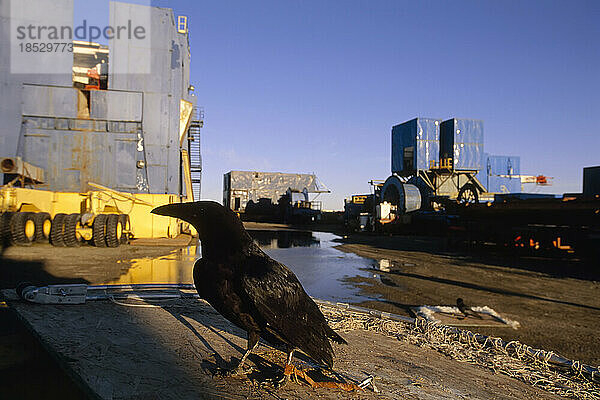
x=175, y=267
x=320, y=268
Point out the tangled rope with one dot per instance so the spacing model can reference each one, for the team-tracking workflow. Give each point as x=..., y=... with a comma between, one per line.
x=538, y=368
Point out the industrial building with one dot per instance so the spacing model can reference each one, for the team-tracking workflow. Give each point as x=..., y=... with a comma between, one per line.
x=275, y=194
x=115, y=121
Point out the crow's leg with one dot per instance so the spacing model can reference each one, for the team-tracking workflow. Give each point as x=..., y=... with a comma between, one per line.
x=288, y=370
x=253, y=338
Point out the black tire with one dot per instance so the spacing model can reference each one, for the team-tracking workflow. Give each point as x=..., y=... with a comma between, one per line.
x=124, y=218
x=21, y=286
x=114, y=230
x=468, y=194
x=99, y=230
x=57, y=231
x=22, y=228
x=43, y=224
x=5, y=229
x=72, y=237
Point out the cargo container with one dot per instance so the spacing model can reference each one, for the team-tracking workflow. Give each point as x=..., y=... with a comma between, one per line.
x=461, y=140
x=415, y=145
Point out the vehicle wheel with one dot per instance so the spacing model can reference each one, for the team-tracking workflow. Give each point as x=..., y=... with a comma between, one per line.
x=72, y=236
x=22, y=228
x=99, y=230
x=5, y=228
x=114, y=230
x=43, y=224
x=124, y=218
x=57, y=230
x=468, y=194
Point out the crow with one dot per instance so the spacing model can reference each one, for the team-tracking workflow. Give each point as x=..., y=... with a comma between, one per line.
x=250, y=289
x=465, y=310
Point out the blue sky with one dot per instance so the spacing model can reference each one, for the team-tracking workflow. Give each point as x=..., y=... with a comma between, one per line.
x=315, y=86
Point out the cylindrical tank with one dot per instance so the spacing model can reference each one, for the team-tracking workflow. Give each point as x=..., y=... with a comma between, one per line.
x=404, y=196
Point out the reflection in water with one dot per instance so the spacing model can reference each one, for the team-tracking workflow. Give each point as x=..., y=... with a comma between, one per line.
x=175, y=267
x=390, y=267
x=284, y=239
x=319, y=267
x=384, y=265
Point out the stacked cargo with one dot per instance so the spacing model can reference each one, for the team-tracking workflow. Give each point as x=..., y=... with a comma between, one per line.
x=462, y=141
x=415, y=145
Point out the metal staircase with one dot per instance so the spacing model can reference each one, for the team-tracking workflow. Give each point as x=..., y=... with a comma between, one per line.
x=194, y=150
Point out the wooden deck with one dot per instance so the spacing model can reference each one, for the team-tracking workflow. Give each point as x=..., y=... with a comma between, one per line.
x=172, y=351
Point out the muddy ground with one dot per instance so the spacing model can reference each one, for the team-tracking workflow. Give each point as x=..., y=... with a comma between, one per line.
x=557, y=302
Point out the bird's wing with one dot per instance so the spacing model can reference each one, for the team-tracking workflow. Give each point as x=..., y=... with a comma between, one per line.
x=286, y=309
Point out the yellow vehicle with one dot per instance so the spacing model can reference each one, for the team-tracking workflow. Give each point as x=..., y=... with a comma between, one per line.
x=103, y=217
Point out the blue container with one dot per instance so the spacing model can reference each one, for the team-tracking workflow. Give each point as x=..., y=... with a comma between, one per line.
x=503, y=165
x=415, y=144
x=462, y=140
x=501, y=174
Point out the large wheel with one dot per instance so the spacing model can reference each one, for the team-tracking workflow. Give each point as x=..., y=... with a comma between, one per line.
x=114, y=230
x=5, y=228
x=22, y=228
x=43, y=224
x=72, y=236
x=99, y=230
x=468, y=194
x=124, y=218
x=57, y=230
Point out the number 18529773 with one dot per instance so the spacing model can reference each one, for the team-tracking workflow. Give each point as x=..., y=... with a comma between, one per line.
x=43, y=47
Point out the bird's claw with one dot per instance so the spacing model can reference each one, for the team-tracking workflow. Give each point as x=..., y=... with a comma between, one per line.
x=277, y=381
x=291, y=372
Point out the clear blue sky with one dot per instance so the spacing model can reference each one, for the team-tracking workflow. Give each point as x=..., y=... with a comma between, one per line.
x=315, y=86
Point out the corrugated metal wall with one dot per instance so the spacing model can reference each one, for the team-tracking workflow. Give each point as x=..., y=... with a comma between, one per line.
x=36, y=12
x=163, y=88
x=137, y=120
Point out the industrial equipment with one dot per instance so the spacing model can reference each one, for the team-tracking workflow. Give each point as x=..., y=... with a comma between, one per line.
x=90, y=149
x=440, y=158
x=437, y=164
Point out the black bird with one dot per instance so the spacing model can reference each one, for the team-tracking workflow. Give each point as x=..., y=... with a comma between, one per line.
x=250, y=289
x=465, y=309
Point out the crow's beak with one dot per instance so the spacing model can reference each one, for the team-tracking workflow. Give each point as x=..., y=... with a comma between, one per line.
x=176, y=210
